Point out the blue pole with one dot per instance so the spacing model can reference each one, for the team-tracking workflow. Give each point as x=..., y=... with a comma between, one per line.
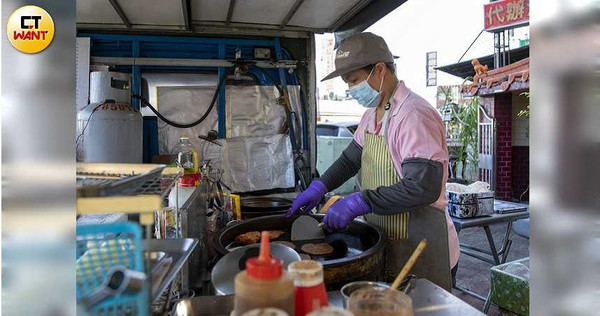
x=278, y=53
x=177, y=39
x=136, y=86
x=221, y=107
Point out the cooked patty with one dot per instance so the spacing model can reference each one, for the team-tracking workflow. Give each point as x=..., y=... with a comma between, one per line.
x=317, y=249
x=286, y=243
x=274, y=234
x=304, y=256
x=254, y=237
x=248, y=238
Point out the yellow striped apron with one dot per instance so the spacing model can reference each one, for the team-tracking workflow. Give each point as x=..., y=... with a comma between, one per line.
x=377, y=169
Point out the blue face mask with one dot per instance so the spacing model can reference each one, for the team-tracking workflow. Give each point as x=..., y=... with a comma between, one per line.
x=364, y=94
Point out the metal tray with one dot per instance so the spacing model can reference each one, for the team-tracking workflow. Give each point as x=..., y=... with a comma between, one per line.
x=104, y=179
x=178, y=249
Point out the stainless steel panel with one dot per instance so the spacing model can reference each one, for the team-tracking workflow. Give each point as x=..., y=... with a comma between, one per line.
x=258, y=163
x=184, y=104
x=163, y=12
x=209, y=10
x=94, y=11
x=314, y=14
x=253, y=111
x=427, y=299
x=261, y=12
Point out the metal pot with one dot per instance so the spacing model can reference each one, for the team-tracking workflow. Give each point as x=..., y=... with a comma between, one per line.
x=347, y=290
x=363, y=261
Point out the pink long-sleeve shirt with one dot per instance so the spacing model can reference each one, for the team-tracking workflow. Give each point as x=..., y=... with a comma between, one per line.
x=415, y=130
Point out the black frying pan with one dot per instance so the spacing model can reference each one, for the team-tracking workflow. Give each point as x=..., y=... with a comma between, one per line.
x=253, y=207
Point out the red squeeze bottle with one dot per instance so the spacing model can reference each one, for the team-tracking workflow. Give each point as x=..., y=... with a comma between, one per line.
x=264, y=267
x=309, y=288
x=263, y=284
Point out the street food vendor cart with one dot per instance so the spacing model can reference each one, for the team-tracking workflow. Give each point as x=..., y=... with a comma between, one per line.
x=235, y=83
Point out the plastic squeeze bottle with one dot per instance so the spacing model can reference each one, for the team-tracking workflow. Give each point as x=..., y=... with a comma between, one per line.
x=310, y=293
x=263, y=284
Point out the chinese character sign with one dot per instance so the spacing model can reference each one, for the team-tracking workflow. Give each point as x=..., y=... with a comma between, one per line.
x=506, y=14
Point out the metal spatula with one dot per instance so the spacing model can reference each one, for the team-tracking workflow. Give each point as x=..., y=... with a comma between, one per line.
x=306, y=228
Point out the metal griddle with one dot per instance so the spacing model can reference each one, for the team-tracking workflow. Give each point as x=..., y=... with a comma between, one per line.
x=338, y=241
x=363, y=259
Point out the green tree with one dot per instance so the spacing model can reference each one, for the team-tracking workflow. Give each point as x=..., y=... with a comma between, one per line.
x=462, y=127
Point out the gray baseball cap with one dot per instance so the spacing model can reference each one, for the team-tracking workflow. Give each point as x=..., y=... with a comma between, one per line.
x=359, y=51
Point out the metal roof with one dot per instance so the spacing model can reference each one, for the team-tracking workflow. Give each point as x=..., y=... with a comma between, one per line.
x=465, y=69
x=262, y=17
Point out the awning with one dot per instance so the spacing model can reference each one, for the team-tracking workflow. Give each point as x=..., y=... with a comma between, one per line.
x=465, y=69
x=257, y=17
x=513, y=77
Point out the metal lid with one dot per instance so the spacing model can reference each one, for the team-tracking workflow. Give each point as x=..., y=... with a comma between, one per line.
x=224, y=272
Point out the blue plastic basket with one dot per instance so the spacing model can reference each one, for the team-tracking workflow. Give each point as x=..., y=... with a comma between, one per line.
x=99, y=249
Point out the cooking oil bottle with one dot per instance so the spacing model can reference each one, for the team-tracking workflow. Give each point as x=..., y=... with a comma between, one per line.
x=186, y=155
x=264, y=283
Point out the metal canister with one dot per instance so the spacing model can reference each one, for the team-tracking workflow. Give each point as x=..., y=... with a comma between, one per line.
x=352, y=287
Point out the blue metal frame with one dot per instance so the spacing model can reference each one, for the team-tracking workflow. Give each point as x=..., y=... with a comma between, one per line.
x=115, y=45
x=221, y=108
x=136, y=86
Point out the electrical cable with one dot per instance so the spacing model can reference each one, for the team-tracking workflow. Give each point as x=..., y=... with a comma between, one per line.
x=85, y=127
x=192, y=124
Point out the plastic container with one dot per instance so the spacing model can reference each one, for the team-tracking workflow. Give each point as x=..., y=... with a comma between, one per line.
x=309, y=288
x=186, y=155
x=185, y=187
x=263, y=284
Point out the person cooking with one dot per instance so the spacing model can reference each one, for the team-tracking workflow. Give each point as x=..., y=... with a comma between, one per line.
x=399, y=148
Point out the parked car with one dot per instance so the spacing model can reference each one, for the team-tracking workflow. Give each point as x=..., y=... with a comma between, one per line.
x=345, y=129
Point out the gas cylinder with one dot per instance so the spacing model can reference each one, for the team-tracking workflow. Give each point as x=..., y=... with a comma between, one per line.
x=109, y=129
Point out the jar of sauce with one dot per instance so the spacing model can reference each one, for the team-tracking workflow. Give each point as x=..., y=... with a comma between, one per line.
x=309, y=288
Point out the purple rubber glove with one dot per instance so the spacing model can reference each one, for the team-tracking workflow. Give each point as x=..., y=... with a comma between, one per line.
x=342, y=212
x=308, y=199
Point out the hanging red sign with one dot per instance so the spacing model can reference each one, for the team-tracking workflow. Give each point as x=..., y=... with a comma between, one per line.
x=505, y=14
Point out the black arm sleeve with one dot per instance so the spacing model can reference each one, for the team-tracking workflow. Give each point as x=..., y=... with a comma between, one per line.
x=420, y=186
x=344, y=168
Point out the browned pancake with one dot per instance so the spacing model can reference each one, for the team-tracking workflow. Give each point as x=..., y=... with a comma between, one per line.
x=248, y=238
x=285, y=243
x=254, y=237
x=274, y=234
x=304, y=256
x=320, y=249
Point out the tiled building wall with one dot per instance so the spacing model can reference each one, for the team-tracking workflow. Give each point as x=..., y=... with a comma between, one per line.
x=503, y=116
x=520, y=149
x=520, y=172
x=512, y=143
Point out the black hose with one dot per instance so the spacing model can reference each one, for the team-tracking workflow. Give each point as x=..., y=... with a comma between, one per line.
x=187, y=125
x=290, y=121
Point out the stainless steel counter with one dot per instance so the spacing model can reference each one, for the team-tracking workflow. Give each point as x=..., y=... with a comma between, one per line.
x=428, y=299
